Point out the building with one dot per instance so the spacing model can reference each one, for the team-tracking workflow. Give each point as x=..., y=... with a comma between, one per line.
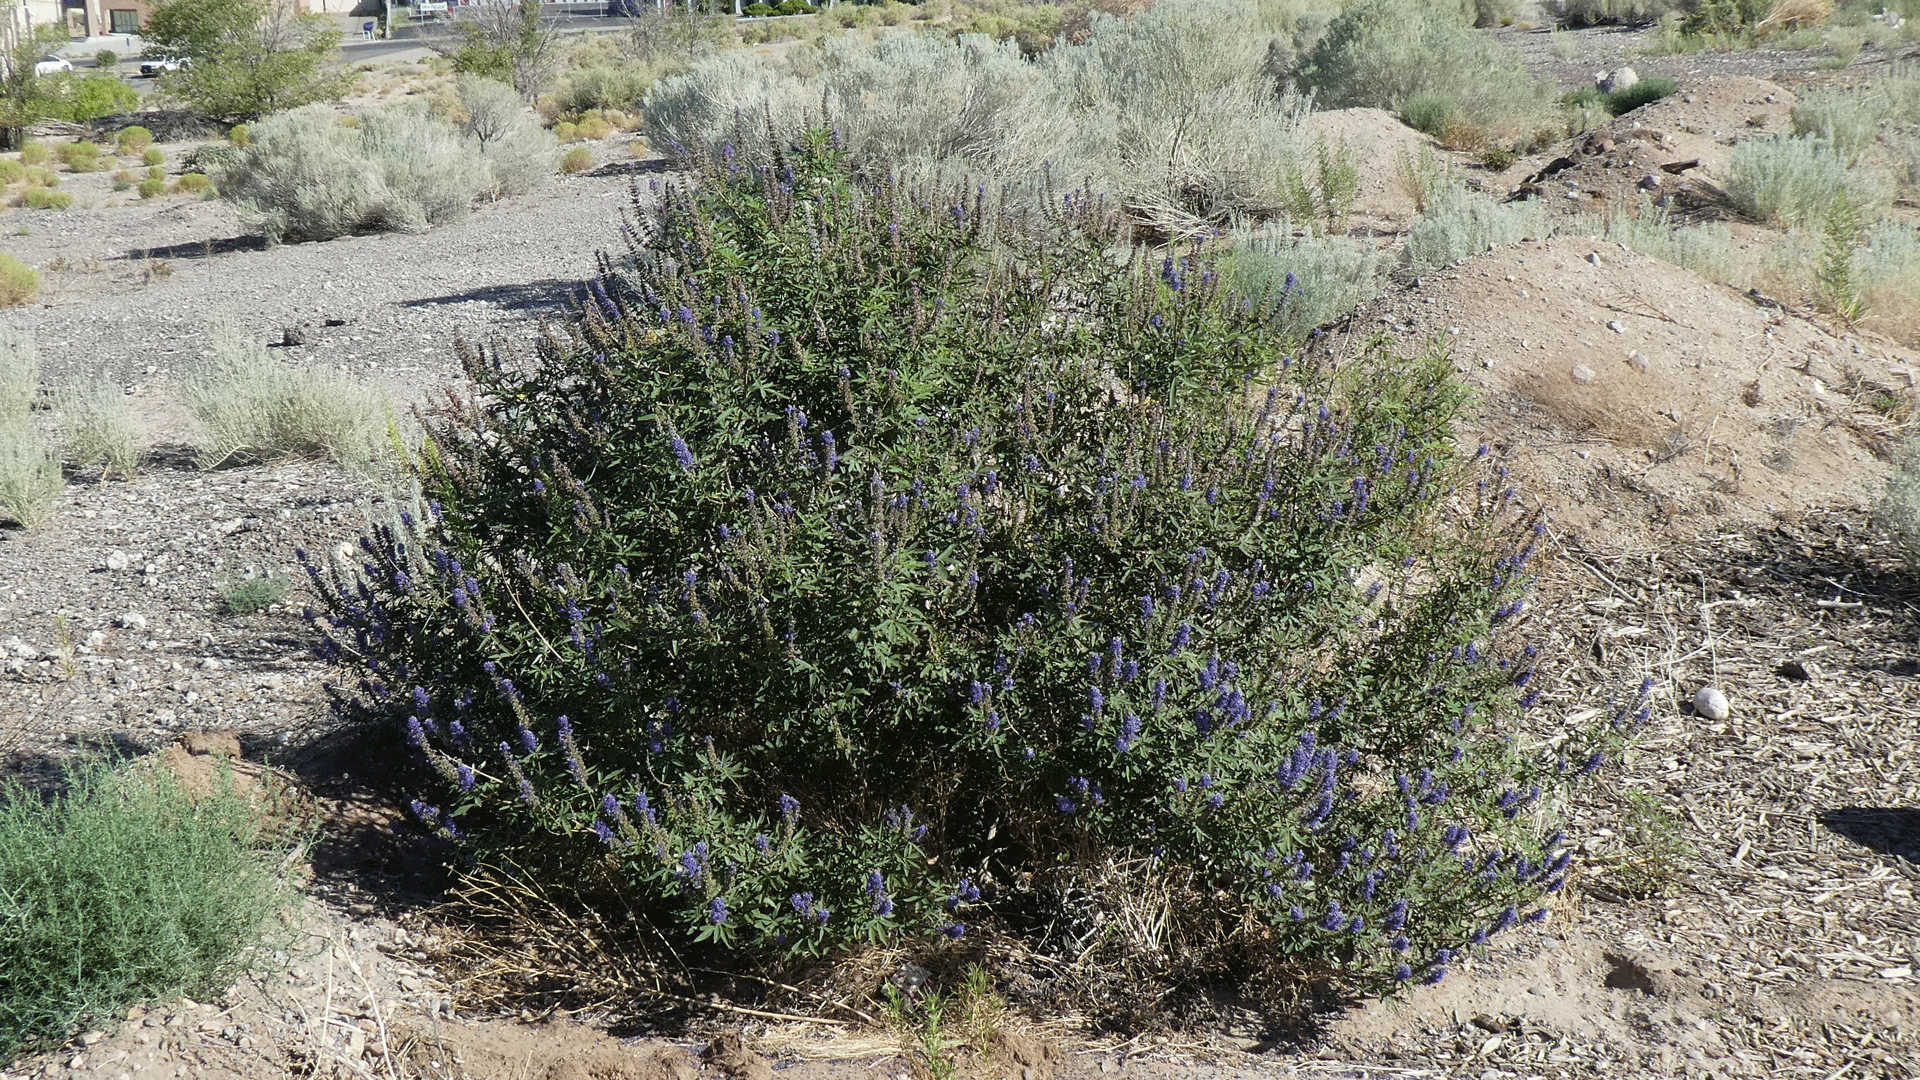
x=96, y=18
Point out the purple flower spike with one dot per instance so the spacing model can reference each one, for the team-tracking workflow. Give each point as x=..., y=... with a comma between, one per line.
x=717, y=911
x=681, y=454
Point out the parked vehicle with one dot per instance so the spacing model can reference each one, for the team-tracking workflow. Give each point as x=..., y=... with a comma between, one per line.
x=159, y=64
x=50, y=64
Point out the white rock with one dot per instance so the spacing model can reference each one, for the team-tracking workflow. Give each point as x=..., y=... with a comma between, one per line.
x=1616, y=326
x=1711, y=703
x=1582, y=373
x=131, y=620
x=96, y=638
x=1593, y=257
x=117, y=560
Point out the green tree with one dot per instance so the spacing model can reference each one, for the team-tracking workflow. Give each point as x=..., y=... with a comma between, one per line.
x=510, y=42
x=24, y=95
x=247, y=58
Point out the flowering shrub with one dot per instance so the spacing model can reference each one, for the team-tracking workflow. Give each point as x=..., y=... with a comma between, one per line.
x=858, y=551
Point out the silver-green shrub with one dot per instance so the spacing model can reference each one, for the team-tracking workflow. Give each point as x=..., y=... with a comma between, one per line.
x=1705, y=249
x=99, y=429
x=1898, y=511
x=1458, y=223
x=1380, y=53
x=30, y=477
x=519, y=153
x=253, y=408
x=1316, y=279
x=19, y=371
x=1853, y=118
x=306, y=176
x=1794, y=180
x=1173, y=110
x=1597, y=12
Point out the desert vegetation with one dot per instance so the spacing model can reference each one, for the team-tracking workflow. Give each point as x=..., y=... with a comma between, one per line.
x=947, y=512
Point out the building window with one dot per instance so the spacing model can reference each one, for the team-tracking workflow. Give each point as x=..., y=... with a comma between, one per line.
x=124, y=20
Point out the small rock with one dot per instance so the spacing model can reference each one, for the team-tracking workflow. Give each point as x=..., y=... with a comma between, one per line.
x=410, y=984
x=117, y=560
x=1616, y=326
x=1711, y=703
x=293, y=335
x=1649, y=183
x=1639, y=362
x=1582, y=373
x=131, y=620
x=96, y=638
x=1593, y=257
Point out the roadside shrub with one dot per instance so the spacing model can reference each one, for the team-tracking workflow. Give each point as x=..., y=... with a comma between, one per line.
x=78, y=98
x=194, y=183
x=593, y=128
x=135, y=139
x=566, y=131
x=30, y=481
x=152, y=157
x=156, y=173
x=123, y=180
x=11, y=171
x=882, y=598
x=1458, y=223
x=1795, y=180
x=758, y=11
x=1381, y=53
x=794, y=7
x=253, y=408
x=99, y=429
x=1888, y=272
x=152, y=188
x=19, y=282
x=305, y=177
x=577, y=160
x=106, y=58
x=121, y=888
x=38, y=177
x=35, y=153
x=46, y=199
x=603, y=86
x=240, y=135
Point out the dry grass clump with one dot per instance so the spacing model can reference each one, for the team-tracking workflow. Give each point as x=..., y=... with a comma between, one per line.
x=19, y=283
x=253, y=408
x=30, y=477
x=99, y=428
x=1705, y=249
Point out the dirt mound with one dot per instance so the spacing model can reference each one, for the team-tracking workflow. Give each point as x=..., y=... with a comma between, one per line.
x=1628, y=390
x=1691, y=132
x=1383, y=147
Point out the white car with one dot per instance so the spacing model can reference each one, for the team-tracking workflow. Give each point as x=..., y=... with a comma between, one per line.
x=50, y=64
x=162, y=64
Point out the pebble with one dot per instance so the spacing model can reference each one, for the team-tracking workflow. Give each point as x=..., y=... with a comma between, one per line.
x=1582, y=373
x=1593, y=257
x=1615, y=326
x=131, y=620
x=117, y=560
x=1711, y=703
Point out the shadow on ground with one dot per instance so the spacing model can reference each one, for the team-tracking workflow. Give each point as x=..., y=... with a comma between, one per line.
x=1887, y=830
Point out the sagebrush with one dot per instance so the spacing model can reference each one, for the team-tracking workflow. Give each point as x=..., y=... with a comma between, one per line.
x=841, y=583
x=305, y=176
x=253, y=408
x=123, y=887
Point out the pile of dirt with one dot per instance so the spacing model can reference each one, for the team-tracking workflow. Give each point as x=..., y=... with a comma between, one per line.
x=1675, y=152
x=1386, y=152
x=1627, y=391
